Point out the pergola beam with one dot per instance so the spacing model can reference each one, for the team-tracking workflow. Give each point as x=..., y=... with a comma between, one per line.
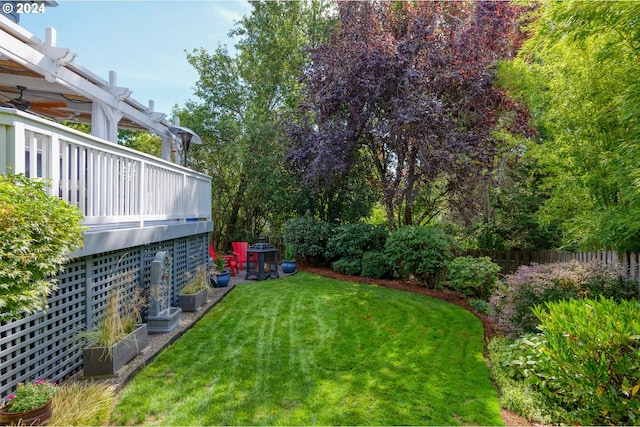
x=51, y=62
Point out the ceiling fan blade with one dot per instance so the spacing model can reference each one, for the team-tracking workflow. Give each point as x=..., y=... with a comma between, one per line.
x=20, y=104
x=47, y=104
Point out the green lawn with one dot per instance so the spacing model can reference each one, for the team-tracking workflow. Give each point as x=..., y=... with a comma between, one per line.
x=308, y=350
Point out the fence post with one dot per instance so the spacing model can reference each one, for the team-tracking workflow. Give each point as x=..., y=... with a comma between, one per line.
x=633, y=266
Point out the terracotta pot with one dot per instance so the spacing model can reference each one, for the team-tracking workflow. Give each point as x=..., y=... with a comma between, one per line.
x=35, y=417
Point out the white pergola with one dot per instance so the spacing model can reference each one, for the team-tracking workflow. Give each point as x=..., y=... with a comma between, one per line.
x=49, y=76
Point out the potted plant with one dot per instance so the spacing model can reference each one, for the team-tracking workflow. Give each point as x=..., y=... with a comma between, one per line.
x=30, y=404
x=288, y=263
x=222, y=277
x=118, y=337
x=195, y=293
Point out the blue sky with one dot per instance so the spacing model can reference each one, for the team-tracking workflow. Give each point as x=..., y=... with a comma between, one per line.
x=143, y=41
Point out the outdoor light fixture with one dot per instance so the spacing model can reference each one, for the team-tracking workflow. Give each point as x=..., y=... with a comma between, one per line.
x=185, y=137
x=262, y=261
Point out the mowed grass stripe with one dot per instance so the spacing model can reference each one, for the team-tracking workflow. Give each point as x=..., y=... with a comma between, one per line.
x=308, y=350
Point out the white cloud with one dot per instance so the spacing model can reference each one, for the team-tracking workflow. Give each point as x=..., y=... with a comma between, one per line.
x=231, y=11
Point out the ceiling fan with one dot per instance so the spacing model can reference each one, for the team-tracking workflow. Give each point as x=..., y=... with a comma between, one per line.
x=43, y=107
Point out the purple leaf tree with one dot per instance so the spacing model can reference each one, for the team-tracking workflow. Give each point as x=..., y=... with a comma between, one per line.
x=406, y=88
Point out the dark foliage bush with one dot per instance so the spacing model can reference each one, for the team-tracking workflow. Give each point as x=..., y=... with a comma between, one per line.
x=473, y=276
x=308, y=237
x=352, y=240
x=351, y=266
x=512, y=303
x=375, y=264
x=422, y=252
x=592, y=363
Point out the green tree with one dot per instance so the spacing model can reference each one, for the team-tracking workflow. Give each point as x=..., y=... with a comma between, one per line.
x=37, y=233
x=405, y=89
x=578, y=75
x=147, y=142
x=243, y=99
x=511, y=202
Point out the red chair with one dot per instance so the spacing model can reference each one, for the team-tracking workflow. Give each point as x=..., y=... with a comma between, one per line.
x=231, y=261
x=240, y=250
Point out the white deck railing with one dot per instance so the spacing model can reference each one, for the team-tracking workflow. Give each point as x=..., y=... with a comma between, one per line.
x=110, y=183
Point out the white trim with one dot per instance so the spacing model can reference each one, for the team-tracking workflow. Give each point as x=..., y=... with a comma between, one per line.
x=111, y=184
x=57, y=65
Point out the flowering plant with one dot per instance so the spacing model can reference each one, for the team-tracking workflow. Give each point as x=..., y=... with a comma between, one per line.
x=538, y=284
x=30, y=396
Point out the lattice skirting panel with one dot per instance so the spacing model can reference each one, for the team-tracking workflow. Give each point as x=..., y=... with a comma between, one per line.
x=46, y=346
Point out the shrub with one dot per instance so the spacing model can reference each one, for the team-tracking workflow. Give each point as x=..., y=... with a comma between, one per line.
x=308, y=237
x=375, y=264
x=593, y=359
x=522, y=399
x=519, y=359
x=349, y=266
x=510, y=360
x=353, y=240
x=474, y=277
x=481, y=305
x=37, y=233
x=534, y=285
x=422, y=252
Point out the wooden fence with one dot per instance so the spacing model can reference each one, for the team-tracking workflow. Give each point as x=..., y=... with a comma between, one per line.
x=509, y=261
